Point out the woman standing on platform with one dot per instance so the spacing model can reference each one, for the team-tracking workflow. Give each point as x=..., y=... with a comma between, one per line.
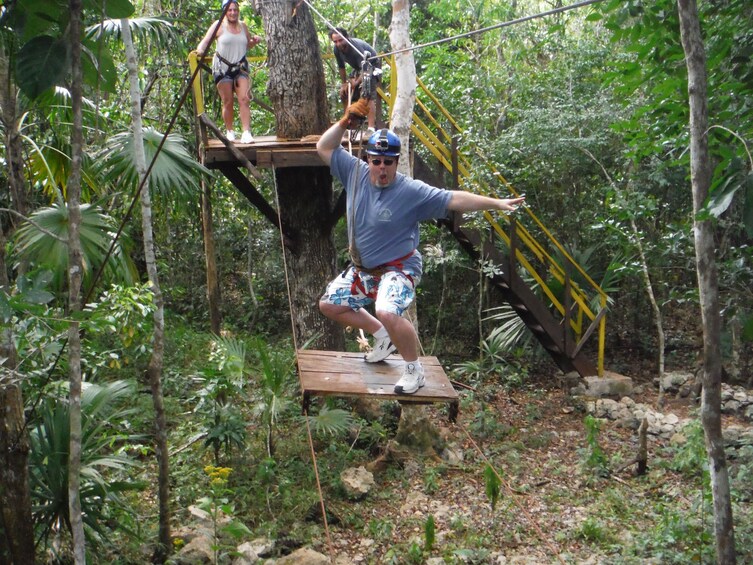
x=230, y=67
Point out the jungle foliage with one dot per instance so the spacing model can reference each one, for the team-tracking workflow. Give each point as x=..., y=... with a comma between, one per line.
x=585, y=112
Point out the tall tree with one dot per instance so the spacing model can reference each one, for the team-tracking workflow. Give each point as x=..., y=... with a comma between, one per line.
x=405, y=99
x=75, y=274
x=154, y=368
x=18, y=196
x=17, y=541
x=298, y=94
x=708, y=284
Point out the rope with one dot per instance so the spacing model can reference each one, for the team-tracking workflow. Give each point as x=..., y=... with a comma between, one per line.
x=319, y=489
x=490, y=28
x=511, y=494
x=295, y=345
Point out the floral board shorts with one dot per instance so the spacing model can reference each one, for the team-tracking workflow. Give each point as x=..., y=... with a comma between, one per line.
x=392, y=291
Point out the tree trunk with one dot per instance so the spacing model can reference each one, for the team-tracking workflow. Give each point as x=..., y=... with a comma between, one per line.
x=297, y=91
x=154, y=368
x=19, y=199
x=708, y=285
x=17, y=544
x=405, y=99
x=75, y=273
x=214, y=298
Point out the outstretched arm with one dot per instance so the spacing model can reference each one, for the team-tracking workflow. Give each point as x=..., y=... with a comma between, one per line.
x=462, y=201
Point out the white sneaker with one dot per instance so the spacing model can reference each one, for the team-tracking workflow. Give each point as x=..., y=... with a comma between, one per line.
x=412, y=379
x=230, y=134
x=382, y=348
x=247, y=137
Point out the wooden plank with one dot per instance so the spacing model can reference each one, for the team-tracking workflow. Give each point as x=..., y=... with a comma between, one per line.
x=267, y=151
x=335, y=373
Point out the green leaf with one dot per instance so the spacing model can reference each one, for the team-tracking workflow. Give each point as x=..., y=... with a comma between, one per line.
x=118, y=9
x=236, y=529
x=492, y=483
x=115, y=9
x=429, y=533
x=748, y=329
x=98, y=67
x=41, y=64
x=718, y=204
x=36, y=296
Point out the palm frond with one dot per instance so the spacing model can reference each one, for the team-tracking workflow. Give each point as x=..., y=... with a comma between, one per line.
x=47, y=248
x=156, y=30
x=48, y=461
x=175, y=172
x=332, y=422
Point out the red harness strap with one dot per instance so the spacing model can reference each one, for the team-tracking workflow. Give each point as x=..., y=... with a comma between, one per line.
x=377, y=273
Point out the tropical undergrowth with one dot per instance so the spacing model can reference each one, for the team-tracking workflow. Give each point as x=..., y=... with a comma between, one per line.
x=234, y=413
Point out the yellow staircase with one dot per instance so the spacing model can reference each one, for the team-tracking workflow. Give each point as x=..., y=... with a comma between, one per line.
x=565, y=315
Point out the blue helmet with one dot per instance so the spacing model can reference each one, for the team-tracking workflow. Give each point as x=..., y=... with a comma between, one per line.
x=226, y=2
x=384, y=142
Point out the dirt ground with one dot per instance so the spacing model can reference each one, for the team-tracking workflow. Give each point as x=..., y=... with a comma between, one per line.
x=551, y=508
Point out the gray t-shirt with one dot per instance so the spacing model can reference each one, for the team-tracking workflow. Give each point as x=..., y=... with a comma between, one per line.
x=386, y=219
x=353, y=57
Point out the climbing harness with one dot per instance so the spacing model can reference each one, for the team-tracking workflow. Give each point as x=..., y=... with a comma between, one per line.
x=233, y=69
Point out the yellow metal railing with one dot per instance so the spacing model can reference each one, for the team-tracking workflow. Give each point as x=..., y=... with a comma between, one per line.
x=427, y=129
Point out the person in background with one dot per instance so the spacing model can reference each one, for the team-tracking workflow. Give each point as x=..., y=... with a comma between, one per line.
x=230, y=67
x=383, y=212
x=351, y=50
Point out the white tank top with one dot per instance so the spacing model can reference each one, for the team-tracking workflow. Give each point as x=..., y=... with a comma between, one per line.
x=231, y=47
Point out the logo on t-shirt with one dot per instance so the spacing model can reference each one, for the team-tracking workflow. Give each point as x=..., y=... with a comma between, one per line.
x=385, y=215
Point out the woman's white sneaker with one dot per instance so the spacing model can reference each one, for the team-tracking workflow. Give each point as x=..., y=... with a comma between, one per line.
x=412, y=379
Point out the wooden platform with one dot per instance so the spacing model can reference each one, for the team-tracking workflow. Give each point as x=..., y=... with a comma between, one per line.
x=266, y=151
x=337, y=373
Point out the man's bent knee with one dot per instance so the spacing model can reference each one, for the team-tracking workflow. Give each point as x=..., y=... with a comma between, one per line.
x=331, y=310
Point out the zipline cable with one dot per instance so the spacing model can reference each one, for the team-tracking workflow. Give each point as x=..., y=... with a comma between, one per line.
x=332, y=27
x=462, y=35
x=490, y=28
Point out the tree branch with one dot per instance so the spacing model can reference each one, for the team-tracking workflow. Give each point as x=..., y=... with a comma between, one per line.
x=36, y=225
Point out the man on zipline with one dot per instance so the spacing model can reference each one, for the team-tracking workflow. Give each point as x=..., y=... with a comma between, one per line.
x=230, y=67
x=351, y=50
x=384, y=209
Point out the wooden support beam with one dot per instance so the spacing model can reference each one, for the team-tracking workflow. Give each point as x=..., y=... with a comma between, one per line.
x=241, y=182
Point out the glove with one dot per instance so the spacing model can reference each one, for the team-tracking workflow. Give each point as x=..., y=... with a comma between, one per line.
x=356, y=111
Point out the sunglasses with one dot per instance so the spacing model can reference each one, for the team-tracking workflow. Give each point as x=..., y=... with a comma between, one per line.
x=377, y=162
